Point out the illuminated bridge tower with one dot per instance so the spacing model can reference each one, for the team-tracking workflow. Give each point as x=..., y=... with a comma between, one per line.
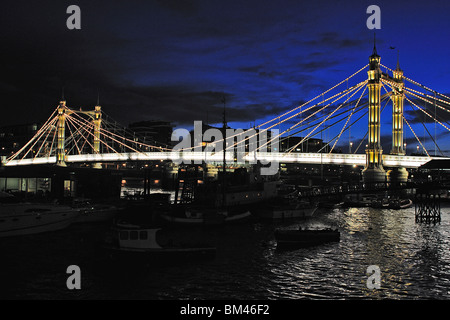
x=61, y=135
x=398, y=174
x=97, y=121
x=96, y=116
x=374, y=171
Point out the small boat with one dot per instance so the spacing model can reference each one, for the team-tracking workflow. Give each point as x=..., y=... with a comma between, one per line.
x=287, y=191
x=380, y=203
x=299, y=209
x=94, y=212
x=304, y=238
x=400, y=204
x=364, y=201
x=23, y=218
x=331, y=205
x=204, y=216
x=132, y=241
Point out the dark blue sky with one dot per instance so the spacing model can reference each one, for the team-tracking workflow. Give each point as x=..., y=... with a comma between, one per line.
x=175, y=60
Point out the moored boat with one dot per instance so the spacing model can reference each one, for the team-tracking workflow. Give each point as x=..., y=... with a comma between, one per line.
x=23, y=218
x=400, y=203
x=303, y=238
x=381, y=203
x=94, y=212
x=359, y=202
x=131, y=241
x=187, y=215
x=299, y=209
x=331, y=205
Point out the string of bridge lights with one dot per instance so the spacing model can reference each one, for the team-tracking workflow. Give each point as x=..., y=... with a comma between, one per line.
x=77, y=126
x=81, y=129
x=409, y=92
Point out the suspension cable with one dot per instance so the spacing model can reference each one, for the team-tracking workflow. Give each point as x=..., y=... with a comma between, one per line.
x=359, y=88
x=308, y=102
x=38, y=133
x=423, y=124
x=420, y=85
x=340, y=95
x=348, y=119
x=415, y=135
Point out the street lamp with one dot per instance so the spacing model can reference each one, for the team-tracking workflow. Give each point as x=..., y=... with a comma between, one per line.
x=350, y=147
x=417, y=149
x=404, y=147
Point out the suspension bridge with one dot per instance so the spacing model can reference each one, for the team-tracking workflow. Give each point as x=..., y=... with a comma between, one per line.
x=74, y=136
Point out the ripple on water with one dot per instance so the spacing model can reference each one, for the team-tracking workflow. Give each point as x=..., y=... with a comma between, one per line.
x=414, y=260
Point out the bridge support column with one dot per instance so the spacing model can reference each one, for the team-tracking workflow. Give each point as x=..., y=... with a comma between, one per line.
x=397, y=175
x=61, y=134
x=374, y=171
x=97, y=121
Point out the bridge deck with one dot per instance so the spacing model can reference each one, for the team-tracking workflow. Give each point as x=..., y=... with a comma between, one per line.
x=198, y=157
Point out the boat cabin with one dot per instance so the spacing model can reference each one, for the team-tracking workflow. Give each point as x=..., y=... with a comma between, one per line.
x=137, y=238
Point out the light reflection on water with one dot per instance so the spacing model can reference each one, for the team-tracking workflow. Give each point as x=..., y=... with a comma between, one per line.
x=414, y=260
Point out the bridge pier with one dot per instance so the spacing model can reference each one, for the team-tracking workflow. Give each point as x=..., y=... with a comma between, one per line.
x=374, y=175
x=398, y=175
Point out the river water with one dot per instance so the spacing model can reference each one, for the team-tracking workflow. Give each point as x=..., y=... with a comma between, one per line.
x=414, y=260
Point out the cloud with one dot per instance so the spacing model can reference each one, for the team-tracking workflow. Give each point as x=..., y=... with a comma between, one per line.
x=315, y=65
x=335, y=40
x=181, y=105
x=261, y=71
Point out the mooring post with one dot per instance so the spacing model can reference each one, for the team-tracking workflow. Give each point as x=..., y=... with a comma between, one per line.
x=427, y=206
